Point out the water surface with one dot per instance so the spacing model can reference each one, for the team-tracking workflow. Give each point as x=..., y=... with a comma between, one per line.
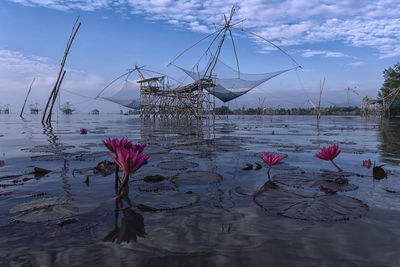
x=200, y=216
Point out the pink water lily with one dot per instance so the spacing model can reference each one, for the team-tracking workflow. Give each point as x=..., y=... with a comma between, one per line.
x=83, y=131
x=138, y=147
x=367, y=163
x=329, y=154
x=129, y=161
x=114, y=144
x=271, y=159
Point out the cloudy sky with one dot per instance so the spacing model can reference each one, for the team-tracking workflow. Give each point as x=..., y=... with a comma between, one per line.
x=349, y=43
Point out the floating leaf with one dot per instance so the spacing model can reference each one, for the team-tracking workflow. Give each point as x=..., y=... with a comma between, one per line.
x=198, y=177
x=176, y=165
x=306, y=206
x=50, y=213
x=38, y=203
x=379, y=173
x=166, y=200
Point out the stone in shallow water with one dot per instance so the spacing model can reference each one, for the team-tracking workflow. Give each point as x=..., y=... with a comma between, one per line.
x=165, y=201
x=198, y=177
x=176, y=165
x=306, y=206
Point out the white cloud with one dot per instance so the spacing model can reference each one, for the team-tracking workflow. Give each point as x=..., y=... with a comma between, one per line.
x=356, y=63
x=17, y=71
x=323, y=53
x=368, y=23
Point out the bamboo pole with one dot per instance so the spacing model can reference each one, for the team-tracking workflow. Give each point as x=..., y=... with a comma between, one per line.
x=26, y=98
x=48, y=120
x=61, y=73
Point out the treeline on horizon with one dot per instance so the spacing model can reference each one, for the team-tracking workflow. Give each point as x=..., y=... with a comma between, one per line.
x=224, y=110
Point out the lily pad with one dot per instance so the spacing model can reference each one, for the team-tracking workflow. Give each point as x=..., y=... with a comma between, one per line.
x=166, y=200
x=50, y=213
x=176, y=165
x=198, y=177
x=311, y=207
x=313, y=180
x=38, y=203
x=148, y=175
x=156, y=187
x=165, y=156
x=154, y=178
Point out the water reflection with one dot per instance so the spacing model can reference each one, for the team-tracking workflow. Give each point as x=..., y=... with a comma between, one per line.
x=166, y=128
x=389, y=145
x=132, y=223
x=48, y=130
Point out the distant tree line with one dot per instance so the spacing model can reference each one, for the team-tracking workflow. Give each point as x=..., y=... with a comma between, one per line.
x=392, y=81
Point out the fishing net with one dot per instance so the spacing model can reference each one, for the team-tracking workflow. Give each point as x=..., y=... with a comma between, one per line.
x=127, y=96
x=231, y=83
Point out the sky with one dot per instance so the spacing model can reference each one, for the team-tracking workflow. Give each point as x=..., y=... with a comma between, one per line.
x=347, y=43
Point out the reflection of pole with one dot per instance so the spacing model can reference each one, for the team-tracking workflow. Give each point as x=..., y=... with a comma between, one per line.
x=26, y=98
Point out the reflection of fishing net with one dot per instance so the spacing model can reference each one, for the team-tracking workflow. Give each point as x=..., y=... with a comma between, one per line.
x=127, y=96
x=230, y=83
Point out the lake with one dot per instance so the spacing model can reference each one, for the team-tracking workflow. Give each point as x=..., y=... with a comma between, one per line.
x=198, y=202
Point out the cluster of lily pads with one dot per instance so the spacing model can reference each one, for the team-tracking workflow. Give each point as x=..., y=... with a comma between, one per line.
x=326, y=153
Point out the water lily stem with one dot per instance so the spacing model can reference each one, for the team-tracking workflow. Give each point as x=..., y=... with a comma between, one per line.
x=125, y=179
x=116, y=176
x=334, y=164
x=269, y=170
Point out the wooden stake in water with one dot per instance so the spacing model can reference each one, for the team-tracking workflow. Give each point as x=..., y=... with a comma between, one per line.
x=26, y=98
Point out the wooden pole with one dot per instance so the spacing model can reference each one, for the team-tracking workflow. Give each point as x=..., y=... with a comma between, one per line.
x=48, y=120
x=26, y=98
x=61, y=73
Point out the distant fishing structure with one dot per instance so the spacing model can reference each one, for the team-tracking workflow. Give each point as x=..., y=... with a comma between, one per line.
x=159, y=99
x=48, y=110
x=34, y=108
x=5, y=109
x=67, y=108
x=379, y=106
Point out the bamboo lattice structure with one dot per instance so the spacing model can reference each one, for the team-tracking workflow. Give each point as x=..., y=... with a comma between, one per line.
x=189, y=101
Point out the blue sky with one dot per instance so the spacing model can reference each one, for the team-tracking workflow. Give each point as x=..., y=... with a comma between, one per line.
x=349, y=43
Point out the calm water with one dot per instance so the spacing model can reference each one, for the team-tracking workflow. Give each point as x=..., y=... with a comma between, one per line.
x=203, y=212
